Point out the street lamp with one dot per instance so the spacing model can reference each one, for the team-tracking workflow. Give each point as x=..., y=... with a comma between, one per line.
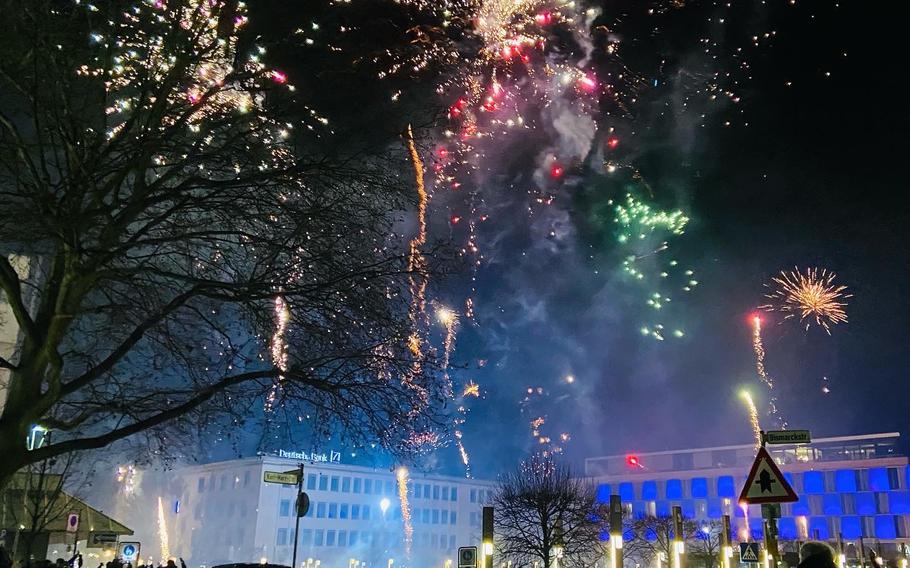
x=391, y=561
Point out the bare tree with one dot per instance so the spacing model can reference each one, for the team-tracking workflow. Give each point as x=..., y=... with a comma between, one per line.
x=653, y=539
x=38, y=498
x=193, y=259
x=542, y=512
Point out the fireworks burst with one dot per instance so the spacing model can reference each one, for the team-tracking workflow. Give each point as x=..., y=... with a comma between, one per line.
x=471, y=389
x=811, y=295
x=401, y=474
x=162, y=532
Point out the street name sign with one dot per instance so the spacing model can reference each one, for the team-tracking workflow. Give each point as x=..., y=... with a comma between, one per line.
x=748, y=552
x=285, y=478
x=787, y=437
x=766, y=484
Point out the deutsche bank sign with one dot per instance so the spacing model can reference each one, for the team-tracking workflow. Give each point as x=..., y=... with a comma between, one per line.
x=331, y=457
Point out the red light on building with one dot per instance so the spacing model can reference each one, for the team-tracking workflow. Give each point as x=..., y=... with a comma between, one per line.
x=632, y=461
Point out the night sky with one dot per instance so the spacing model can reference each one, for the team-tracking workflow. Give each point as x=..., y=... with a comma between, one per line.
x=805, y=174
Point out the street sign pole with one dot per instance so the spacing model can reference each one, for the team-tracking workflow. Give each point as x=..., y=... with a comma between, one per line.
x=726, y=550
x=297, y=514
x=616, y=531
x=770, y=513
x=679, y=551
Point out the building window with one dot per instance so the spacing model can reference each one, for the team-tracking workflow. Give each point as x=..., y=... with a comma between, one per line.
x=451, y=542
x=333, y=510
x=445, y=493
x=323, y=482
x=343, y=511
x=334, y=485
x=318, y=537
x=222, y=482
x=444, y=517
x=454, y=494
x=473, y=497
x=427, y=490
x=357, y=483
x=311, y=482
x=436, y=492
x=320, y=510
x=307, y=537
x=330, y=538
x=355, y=511
x=366, y=512
x=435, y=518
x=367, y=486
x=425, y=516
x=389, y=490
x=200, y=487
x=452, y=517
x=342, y=538
x=284, y=508
x=414, y=490
x=352, y=538
x=282, y=537
x=345, y=484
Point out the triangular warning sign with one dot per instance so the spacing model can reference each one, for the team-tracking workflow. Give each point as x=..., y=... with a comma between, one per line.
x=749, y=552
x=766, y=484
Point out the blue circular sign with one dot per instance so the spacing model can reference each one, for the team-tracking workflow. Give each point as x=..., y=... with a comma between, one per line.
x=129, y=550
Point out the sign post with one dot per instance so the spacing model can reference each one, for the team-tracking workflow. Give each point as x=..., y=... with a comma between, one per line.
x=679, y=546
x=302, y=503
x=129, y=552
x=467, y=557
x=616, y=531
x=767, y=486
x=748, y=552
x=726, y=549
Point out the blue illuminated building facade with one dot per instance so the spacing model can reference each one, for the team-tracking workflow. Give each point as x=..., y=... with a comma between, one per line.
x=855, y=486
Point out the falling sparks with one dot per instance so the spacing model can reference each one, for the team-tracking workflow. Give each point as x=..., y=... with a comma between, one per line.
x=465, y=458
x=471, y=389
x=753, y=417
x=162, y=532
x=759, y=349
x=416, y=262
x=811, y=295
x=401, y=474
x=279, y=349
x=126, y=477
x=746, y=533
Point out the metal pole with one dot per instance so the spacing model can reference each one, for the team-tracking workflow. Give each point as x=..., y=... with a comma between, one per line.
x=297, y=515
x=726, y=550
x=862, y=553
x=679, y=547
x=616, y=531
x=841, y=557
x=769, y=515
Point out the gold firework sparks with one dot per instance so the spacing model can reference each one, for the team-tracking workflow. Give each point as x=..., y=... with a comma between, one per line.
x=471, y=389
x=416, y=261
x=162, y=532
x=759, y=349
x=812, y=295
x=279, y=349
x=465, y=458
x=753, y=417
x=402, y=476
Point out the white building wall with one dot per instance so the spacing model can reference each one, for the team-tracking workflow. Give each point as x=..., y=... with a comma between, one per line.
x=228, y=514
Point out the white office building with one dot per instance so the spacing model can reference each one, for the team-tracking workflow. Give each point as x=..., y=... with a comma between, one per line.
x=225, y=512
